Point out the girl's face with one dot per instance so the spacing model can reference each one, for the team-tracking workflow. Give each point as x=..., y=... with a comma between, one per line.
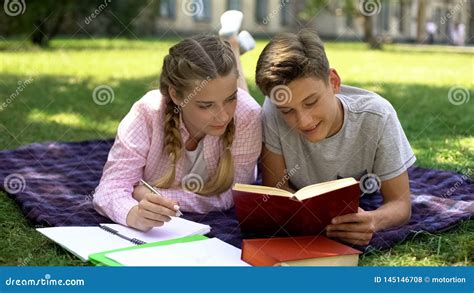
x=209, y=107
x=313, y=109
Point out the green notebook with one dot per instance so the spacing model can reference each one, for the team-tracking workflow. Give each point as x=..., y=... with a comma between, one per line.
x=100, y=259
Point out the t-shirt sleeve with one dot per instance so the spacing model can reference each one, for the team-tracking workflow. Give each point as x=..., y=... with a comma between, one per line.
x=271, y=137
x=394, y=154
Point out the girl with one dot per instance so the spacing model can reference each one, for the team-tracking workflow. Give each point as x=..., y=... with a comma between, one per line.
x=192, y=139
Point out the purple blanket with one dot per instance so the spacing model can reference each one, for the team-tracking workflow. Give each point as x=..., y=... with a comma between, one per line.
x=53, y=184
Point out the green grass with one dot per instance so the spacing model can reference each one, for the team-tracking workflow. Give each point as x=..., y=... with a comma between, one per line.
x=58, y=105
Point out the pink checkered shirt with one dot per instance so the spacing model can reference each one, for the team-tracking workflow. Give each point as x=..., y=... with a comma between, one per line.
x=138, y=153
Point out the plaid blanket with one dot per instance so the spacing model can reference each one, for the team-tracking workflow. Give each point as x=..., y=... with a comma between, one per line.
x=54, y=182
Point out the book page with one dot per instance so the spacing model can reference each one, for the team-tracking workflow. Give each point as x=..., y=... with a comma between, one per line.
x=209, y=252
x=83, y=241
x=262, y=190
x=321, y=188
x=176, y=228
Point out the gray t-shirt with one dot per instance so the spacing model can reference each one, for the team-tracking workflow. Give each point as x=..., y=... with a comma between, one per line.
x=371, y=140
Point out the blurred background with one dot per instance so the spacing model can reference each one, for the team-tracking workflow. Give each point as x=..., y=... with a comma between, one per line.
x=71, y=70
x=373, y=21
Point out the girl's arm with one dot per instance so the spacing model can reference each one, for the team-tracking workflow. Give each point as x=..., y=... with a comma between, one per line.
x=139, y=192
x=113, y=196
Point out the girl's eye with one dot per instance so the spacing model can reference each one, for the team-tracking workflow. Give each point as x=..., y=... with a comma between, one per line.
x=230, y=100
x=208, y=106
x=286, y=111
x=311, y=104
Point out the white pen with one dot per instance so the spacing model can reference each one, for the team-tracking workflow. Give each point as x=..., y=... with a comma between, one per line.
x=178, y=212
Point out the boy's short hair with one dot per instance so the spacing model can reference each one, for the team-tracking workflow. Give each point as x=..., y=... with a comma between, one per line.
x=290, y=56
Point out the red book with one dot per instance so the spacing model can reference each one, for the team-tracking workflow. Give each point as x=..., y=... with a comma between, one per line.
x=269, y=211
x=298, y=251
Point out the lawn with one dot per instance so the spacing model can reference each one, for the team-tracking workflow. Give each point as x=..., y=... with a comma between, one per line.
x=55, y=104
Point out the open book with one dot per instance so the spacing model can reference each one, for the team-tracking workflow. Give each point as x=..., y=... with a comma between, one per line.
x=269, y=211
x=302, y=194
x=84, y=241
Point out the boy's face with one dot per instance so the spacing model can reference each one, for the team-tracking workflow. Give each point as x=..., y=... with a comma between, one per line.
x=313, y=109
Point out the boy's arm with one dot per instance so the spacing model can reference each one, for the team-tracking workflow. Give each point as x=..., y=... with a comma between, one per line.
x=273, y=170
x=393, y=157
x=359, y=228
x=396, y=207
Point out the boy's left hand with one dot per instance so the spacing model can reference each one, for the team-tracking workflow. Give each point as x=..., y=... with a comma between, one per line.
x=357, y=228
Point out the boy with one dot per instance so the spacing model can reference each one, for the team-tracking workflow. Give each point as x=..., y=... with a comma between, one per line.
x=326, y=131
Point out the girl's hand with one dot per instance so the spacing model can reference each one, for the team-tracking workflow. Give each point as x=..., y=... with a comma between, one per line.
x=357, y=228
x=152, y=211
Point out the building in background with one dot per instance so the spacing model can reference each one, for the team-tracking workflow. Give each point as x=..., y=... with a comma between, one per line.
x=398, y=20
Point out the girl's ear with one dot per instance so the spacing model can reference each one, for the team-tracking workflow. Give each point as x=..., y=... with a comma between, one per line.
x=173, y=96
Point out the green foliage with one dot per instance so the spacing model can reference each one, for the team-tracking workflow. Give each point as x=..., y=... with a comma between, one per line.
x=42, y=20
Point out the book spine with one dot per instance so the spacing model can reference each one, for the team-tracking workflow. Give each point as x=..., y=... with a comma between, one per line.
x=256, y=256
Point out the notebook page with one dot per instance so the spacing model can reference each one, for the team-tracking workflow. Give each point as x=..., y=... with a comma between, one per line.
x=175, y=228
x=83, y=241
x=209, y=252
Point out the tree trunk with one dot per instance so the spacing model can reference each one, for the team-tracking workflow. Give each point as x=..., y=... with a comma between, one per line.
x=47, y=28
x=471, y=23
x=369, y=37
x=420, y=22
x=39, y=37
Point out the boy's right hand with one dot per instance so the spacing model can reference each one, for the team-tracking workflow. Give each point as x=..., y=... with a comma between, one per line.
x=152, y=211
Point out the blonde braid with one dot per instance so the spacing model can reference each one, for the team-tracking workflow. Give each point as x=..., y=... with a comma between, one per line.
x=194, y=59
x=224, y=177
x=172, y=144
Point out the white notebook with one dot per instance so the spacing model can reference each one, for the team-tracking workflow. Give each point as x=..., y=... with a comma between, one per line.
x=84, y=241
x=208, y=252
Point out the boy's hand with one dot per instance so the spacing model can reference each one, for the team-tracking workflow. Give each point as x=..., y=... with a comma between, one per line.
x=357, y=228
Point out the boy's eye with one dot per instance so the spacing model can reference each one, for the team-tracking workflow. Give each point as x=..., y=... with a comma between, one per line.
x=286, y=111
x=311, y=103
x=206, y=106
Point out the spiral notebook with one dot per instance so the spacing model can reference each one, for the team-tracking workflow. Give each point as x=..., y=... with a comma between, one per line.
x=84, y=241
x=200, y=252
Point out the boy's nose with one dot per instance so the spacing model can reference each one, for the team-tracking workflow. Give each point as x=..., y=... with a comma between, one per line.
x=305, y=121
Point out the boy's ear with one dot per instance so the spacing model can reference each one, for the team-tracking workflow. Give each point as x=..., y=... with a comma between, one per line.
x=334, y=80
x=173, y=95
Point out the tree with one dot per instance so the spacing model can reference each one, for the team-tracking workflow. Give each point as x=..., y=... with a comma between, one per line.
x=42, y=20
x=420, y=21
x=352, y=7
x=47, y=17
x=471, y=23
